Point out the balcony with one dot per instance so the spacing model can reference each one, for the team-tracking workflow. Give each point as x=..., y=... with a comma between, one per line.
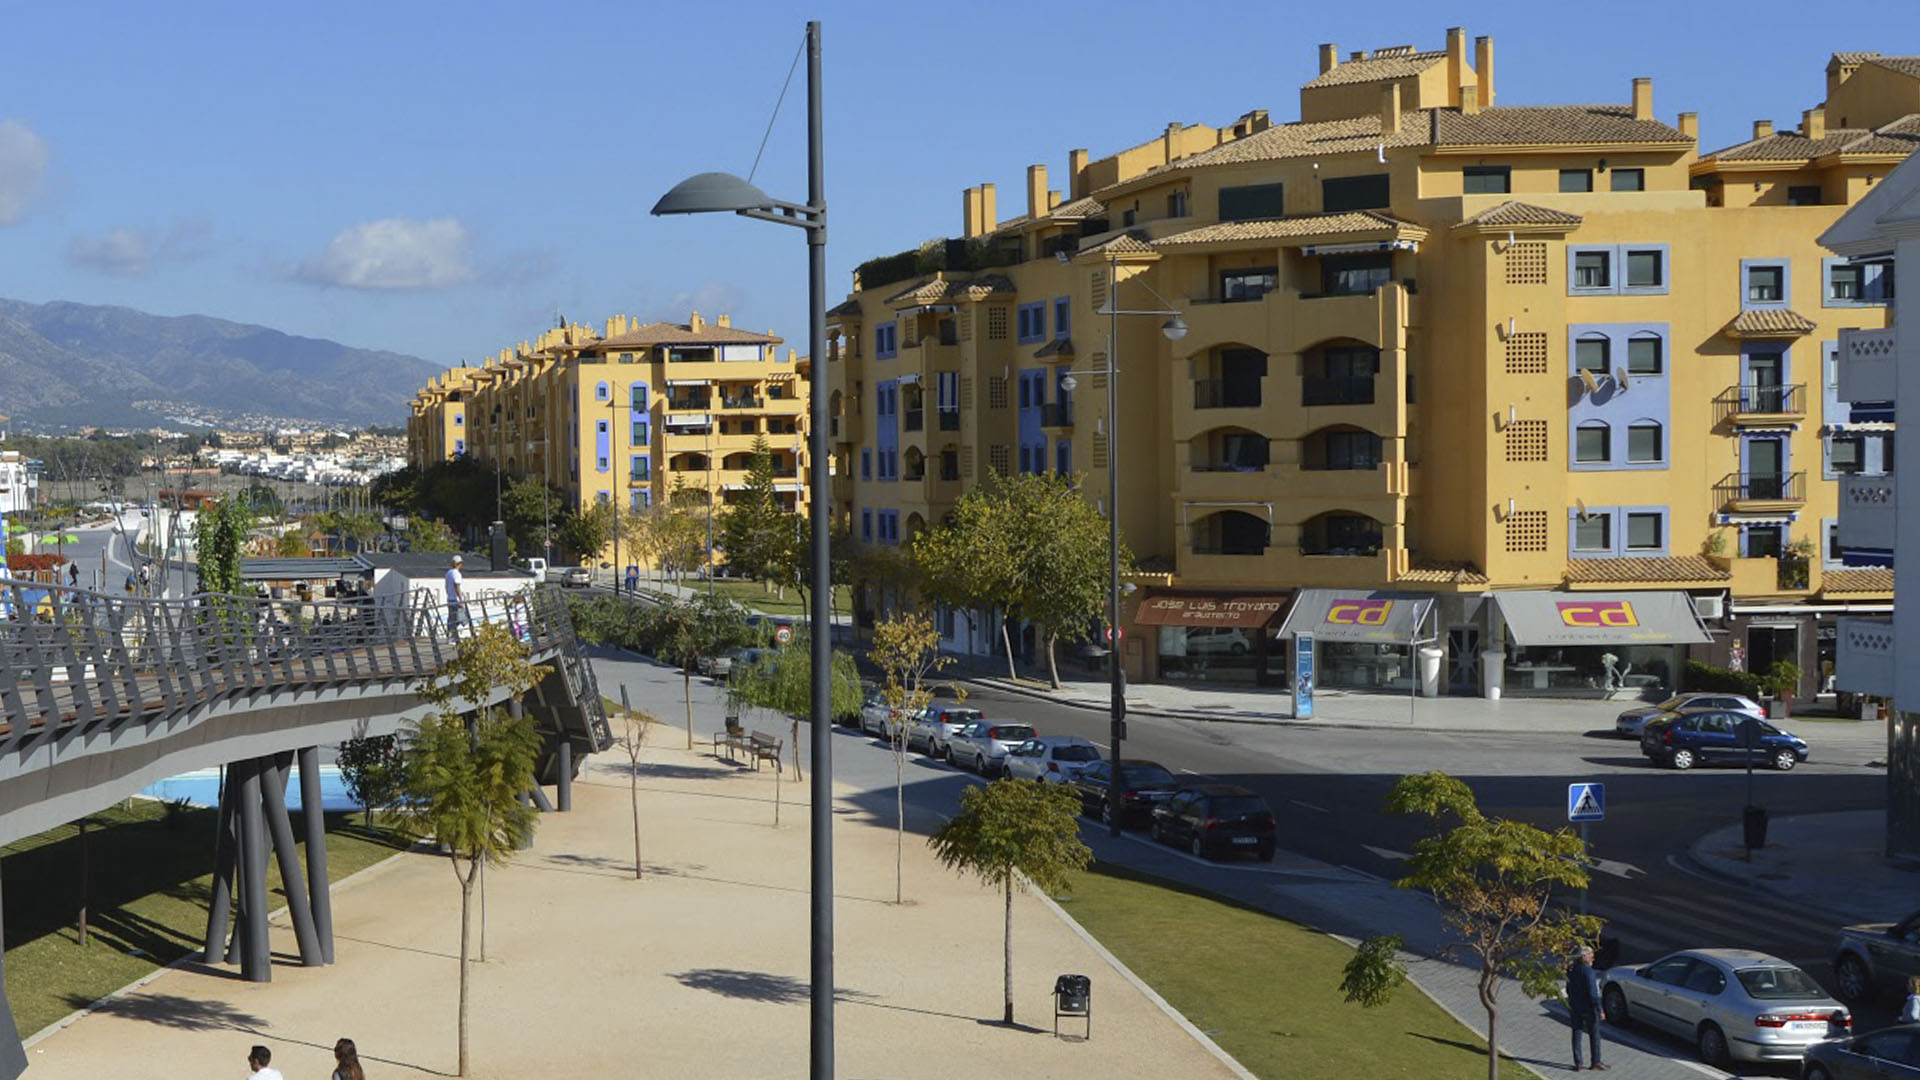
x=1759, y=492
x=1868, y=365
x=1226, y=394
x=949, y=420
x=1337, y=390
x=744, y=401
x=689, y=404
x=1867, y=513
x=913, y=419
x=1863, y=661
x=1057, y=414
x=1761, y=404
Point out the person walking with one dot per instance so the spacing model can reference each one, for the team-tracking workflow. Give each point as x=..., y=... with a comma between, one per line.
x=456, y=607
x=1910, y=1011
x=346, y=1059
x=1583, y=1006
x=73, y=574
x=258, y=1067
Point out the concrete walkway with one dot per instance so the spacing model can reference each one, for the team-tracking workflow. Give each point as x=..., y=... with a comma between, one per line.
x=699, y=970
x=1834, y=863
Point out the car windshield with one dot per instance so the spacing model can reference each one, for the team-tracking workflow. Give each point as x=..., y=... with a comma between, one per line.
x=1011, y=733
x=1075, y=752
x=1670, y=704
x=961, y=716
x=1778, y=984
x=1138, y=775
x=1237, y=806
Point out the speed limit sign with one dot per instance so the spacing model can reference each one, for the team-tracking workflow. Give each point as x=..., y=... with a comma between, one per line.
x=782, y=634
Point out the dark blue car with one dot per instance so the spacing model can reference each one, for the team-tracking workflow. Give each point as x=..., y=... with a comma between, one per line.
x=1715, y=736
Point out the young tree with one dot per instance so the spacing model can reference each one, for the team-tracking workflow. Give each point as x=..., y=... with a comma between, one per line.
x=690, y=629
x=527, y=506
x=1010, y=832
x=373, y=770
x=906, y=648
x=781, y=682
x=468, y=764
x=633, y=737
x=586, y=533
x=757, y=534
x=1495, y=880
x=220, y=535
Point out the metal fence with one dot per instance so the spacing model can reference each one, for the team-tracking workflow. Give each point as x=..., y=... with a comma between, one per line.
x=77, y=657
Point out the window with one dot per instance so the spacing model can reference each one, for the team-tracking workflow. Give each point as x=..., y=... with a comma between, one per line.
x=1354, y=275
x=1576, y=179
x=1033, y=322
x=639, y=500
x=603, y=497
x=1763, y=282
x=1846, y=455
x=601, y=392
x=1803, y=195
x=1629, y=180
x=866, y=463
x=1593, y=354
x=639, y=467
x=886, y=340
x=1646, y=532
x=1355, y=193
x=1486, y=180
x=1177, y=203
x=1593, y=532
x=866, y=525
x=1643, y=355
x=637, y=396
x=1646, y=268
x=1252, y=201
x=1060, y=308
x=459, y=420
x=1593, y=443
x=1761, y=541
x=1063, y=457
x=1352, y=450
x=1593, y=269
x=640, y=434
x=1237, y=285
x=1129, y=215
x=1645, y=445
x=1851, y=284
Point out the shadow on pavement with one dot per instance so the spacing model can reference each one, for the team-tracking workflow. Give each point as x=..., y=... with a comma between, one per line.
x=175, y=1011
x=757, y=986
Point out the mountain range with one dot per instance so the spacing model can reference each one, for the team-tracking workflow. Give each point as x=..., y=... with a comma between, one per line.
x=64, y=365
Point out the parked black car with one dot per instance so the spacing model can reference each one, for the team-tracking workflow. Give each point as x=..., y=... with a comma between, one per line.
x=1211, y=820
x=1147, y=785
x=1714, y=736
x=1891, y=1053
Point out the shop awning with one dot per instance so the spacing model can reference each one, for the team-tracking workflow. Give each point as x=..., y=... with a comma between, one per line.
x=1215, y=609
x=1358, y=615
x=1548, y=617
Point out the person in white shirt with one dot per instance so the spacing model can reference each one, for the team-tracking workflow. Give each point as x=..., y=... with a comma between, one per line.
x=257, y=1067
x=1910, y=1011
x=456, y=607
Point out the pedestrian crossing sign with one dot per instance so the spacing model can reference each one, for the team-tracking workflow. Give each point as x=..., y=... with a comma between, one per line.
x=1586, y=802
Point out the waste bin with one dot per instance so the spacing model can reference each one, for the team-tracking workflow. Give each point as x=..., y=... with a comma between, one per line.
x=1073, y=997
x=1755, y=824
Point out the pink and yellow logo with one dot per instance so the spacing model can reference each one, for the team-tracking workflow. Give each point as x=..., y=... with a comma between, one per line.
x=1597, y=613
x=1359, y=612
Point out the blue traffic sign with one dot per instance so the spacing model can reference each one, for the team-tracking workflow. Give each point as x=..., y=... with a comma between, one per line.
x=1586, y=802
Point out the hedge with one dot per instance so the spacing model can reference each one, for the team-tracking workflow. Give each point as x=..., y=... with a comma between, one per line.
x=1712, y=679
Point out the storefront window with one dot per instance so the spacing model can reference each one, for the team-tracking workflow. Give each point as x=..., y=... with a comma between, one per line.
x=1219, y=654
x=1365, y=665
x=1649, y=669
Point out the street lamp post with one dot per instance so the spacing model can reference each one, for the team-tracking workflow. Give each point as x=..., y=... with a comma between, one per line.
x=724, y=193
x=1174, y=328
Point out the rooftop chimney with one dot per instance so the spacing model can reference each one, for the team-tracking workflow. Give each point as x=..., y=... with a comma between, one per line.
x=1690, y=125
x=988, y=219
x=1762, y=128
x=1813, y=123
x=695, y=323
x=1643, y=98
x=1483, y=67
x=1390, y=109
x=724, y=322
x=970, y=213
x=1076, y=170
x=1456, y=60
x=1037, y=204
x=1329, y=57
x=1469, y=100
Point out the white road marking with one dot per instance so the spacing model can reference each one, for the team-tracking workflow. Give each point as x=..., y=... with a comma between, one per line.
x=1617, y=869
x=1310, y=806
x=1387, y=853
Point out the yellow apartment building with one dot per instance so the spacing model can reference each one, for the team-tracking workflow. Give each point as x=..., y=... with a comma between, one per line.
x=1485, y=397
x=628, y=415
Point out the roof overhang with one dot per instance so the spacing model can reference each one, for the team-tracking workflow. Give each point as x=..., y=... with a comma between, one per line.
x=1505, y=149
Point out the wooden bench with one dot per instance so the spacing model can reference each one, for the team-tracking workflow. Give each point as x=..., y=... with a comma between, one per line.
x=730, y=739
x=764, y=747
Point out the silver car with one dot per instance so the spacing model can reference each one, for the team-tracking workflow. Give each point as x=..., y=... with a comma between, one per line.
x=983, y=744
x=1050, y=759
x=1730, y=1003
x=936, y=724
x=1629, y=724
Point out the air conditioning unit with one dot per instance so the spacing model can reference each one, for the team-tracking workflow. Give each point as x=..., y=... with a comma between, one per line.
x=1710, y=607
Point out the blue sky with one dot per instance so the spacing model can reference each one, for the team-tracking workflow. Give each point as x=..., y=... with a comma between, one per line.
x=441, y=179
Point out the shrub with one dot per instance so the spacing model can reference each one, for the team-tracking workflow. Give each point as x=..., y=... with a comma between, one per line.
x=1706, y=677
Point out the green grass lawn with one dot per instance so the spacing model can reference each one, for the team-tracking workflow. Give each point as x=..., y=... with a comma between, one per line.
x=758, y=597
x=1265, y=989
x=151, y=871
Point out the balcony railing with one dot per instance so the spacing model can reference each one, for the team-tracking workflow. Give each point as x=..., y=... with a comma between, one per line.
x=913, y=419
x=1738, y=402
x=949, y=419
x=1765, y=487
x=1058, y=414
x=1221, y=394
x=690, y=403
x=1220, y=547
x=745, y=401
x=1337, y=390
x=1227, y=467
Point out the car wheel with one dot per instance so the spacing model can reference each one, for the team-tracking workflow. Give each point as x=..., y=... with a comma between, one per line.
x=1785, y=760
x=1815, y=1072
x=1713, y=1045
x=1196, y=848
x=1613, y=1004
x=1237, y=649
x=1681, y=759
x=1851, y=979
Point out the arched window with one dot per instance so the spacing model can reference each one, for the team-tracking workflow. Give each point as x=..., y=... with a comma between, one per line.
x=1593, y=443
x=1646, y=442
x=1592, y=353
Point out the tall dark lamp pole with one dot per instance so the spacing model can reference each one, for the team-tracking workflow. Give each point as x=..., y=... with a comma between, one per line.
x=723, y=193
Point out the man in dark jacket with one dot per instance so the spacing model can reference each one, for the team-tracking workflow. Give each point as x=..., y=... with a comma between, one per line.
x=1583, y=1006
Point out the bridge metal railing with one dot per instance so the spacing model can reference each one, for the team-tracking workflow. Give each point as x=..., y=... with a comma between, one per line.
x=74, y=657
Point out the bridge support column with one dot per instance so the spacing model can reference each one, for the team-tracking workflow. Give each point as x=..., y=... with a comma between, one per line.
x=274, y=773
x=256, y=960
x=220, y=904
x=319, y=883
x=13, y=1057
x=565, y=792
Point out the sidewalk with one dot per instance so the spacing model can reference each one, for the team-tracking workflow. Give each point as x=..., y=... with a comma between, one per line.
x=1829, y=862
x=699, y=970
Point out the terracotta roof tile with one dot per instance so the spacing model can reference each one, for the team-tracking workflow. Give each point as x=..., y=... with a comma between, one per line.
x=1513, y=212
x=1079, y=210
x=1683, y=568
x=938, y=290
x=1865, y=580
x=1297, y=140
x=1437, y=572
x=1854, y=57
x=1898, y=137
x=1121, y=244
x=661, y=333
x=1382, y=65
x=1905, y=65
x=1549, y=124
x=1769, y=322
x=1352, y=221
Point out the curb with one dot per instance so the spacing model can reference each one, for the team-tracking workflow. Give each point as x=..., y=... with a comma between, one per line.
x=1686, y=862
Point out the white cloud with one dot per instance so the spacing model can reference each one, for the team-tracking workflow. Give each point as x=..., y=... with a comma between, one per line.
x=394, y=253
x=125, y=252
x=23, y=160
x=710, y=299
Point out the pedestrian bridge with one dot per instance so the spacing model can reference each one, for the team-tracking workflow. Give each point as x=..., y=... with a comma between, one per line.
x=103, y=694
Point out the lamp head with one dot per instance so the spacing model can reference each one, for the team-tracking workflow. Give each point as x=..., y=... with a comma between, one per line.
x=1069, y=383
x=1174, y=328
x=711, y=193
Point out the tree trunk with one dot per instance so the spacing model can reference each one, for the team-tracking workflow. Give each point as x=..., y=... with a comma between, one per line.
x=1006, y=642
x=777, y=773
x=900, y=819
x=633, y=792
x=686, y=685
x=466, y=909
x=1007, y=981
x=798, y=777
x=1487, y=988
x=1053, y=667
